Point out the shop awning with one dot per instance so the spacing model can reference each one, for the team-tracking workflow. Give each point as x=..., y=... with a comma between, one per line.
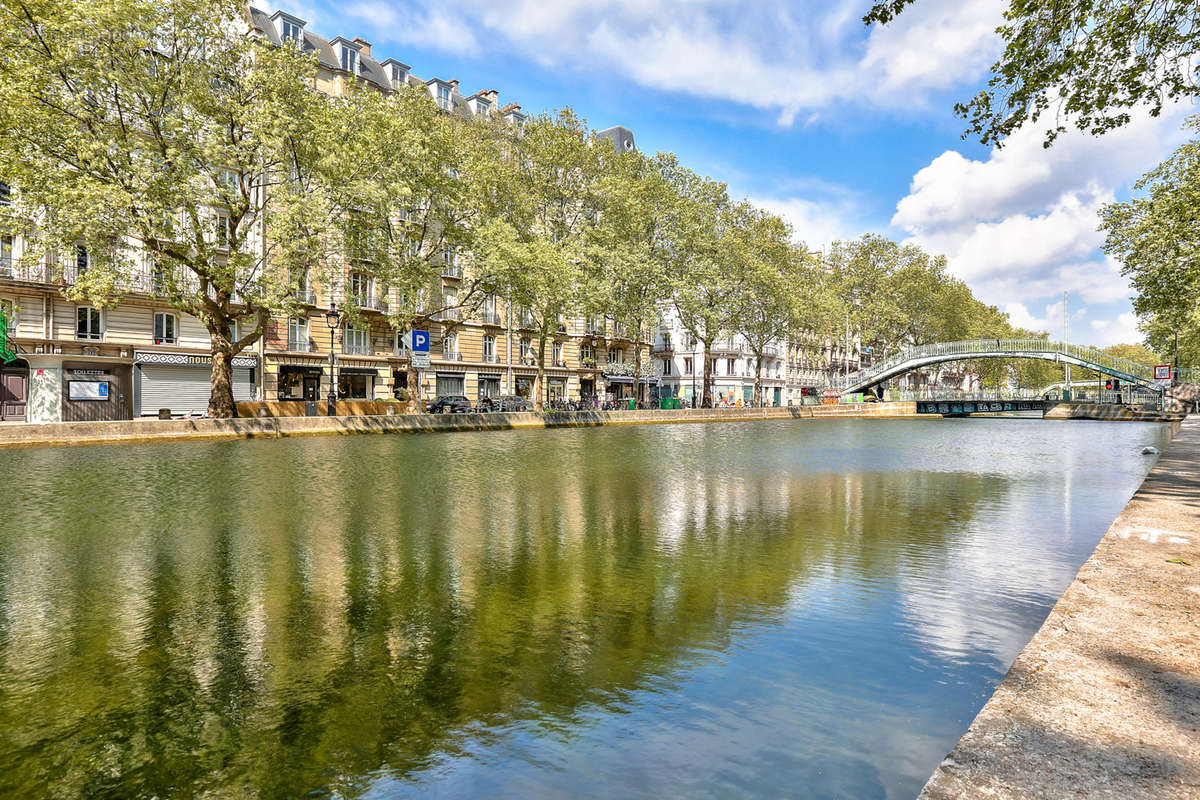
x=357, y=371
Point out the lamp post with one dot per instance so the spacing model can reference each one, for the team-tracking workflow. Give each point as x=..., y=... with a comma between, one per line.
x=333, y=318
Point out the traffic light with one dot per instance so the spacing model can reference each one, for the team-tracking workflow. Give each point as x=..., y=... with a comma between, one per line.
x=1108, y=385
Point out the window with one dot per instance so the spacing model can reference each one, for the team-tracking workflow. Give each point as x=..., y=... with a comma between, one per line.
x=527, y=349
x=557, y=352
x=399, y=74
x=355, y=387
x=87, y=323
x=687, y=366
x=489, y=349
x=6, y=251
x=482, y=107
x=450, y=346
x=356, y=340
x=401, y=348
x=614, y=356
x=298, y=334
x=587, y=354
x=222, y=230
x=350, y=59
x=360, y=288
x=666, y=370
x=5, y=194
x=10, y=316
x=444, y=96
x=166, y=328
x=234, y=330
x=82, y=259
x=291, y=31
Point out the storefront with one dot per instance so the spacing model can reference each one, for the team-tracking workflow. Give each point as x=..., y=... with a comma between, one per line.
x=450, y=383
x=357, y=383
x=489, y=385
x=299, y=382
x=94, y=392
x=619, y=386
x=182, y=382
x=556, y=389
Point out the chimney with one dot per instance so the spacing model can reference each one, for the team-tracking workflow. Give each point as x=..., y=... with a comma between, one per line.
x=363, y=45
x=493, y=97
x=453, y=83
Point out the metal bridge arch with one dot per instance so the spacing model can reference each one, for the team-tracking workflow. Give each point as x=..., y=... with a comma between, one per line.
x=1043, y=349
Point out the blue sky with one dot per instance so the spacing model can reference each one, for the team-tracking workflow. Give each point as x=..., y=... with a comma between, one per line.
x=841, y=129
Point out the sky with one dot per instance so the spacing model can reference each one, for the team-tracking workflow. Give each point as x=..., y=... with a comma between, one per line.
x=841, y=129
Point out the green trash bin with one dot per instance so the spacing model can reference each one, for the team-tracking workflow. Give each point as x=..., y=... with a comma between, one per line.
x=632, y=403
x=664, y=403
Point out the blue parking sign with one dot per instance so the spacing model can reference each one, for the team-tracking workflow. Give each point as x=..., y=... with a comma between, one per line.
x=420, y=341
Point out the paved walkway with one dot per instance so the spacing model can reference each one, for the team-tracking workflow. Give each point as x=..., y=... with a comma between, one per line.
x=1104, y=702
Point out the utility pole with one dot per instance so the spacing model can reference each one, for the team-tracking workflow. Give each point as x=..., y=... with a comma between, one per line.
x=1067, y=341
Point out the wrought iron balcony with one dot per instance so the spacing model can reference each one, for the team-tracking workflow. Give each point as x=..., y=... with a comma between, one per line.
x=451, y=271
x=304, y=296
x=301, y=345
x=356, y=349
x=490, y=317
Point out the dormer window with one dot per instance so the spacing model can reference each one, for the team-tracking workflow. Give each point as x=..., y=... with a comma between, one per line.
x=397, y=72
x=482, y=107
x=291, y=29
x=349, y=60
x=445, y=97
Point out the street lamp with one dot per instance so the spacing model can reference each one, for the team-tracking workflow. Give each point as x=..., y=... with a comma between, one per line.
x=333, y=318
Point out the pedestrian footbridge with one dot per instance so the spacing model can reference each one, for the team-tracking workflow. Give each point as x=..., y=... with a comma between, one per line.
x=930, y=354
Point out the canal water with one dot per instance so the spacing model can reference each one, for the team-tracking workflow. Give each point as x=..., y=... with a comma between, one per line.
x=761, y=609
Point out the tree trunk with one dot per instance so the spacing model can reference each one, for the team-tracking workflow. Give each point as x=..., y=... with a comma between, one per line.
x=637, y=370
x=757, y=379
x=706, y=392
x=220, y=401
x=413, y=379
x=541, y=374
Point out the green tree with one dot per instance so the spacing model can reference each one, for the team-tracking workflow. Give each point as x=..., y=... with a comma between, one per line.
x=540, y=247
x=703, y=268
x=771, y=299
x=1090, y=62
x=1157, y=239
x=146, y=141
x=411, y=188
x=631, y=244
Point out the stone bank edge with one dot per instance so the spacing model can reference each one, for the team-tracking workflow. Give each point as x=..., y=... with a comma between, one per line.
x=72, y=433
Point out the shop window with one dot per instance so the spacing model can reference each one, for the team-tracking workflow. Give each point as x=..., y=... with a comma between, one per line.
x=355, y=387
x=87, y=323
x=166, y=328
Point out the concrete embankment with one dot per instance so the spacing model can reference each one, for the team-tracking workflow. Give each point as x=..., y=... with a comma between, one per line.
x=1104, y=702
x=1110, y=412
x=68, y=433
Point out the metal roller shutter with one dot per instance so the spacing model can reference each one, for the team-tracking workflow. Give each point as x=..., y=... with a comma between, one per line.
x=184, y=390
x=243, y=385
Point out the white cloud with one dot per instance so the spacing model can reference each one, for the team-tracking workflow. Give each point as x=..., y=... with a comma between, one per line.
x=1021, y=226
x=817, y=223
x=779, y=56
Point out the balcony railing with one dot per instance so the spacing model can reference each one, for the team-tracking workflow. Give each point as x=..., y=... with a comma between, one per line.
x=304, y=296
x=665, y=347
x=368, y=302
x=490, y=358
x=301, y=345
x=451, y=271
x=356, y=349
x=490, y=317
x=527, y=322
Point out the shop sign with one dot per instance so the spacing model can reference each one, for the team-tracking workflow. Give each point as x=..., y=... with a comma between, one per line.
x=87, y=390
x=189, y=359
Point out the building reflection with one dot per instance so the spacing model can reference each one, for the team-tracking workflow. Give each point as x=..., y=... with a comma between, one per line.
x=304, y=633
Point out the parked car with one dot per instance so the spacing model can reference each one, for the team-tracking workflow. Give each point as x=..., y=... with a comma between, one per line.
x=451, y=404
x=511, y=402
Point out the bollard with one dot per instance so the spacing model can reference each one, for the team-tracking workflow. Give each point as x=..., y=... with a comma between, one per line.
x=263, y=411
x=164, y=413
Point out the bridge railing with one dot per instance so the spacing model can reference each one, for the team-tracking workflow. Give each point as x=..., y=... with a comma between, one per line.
x=1006, y=348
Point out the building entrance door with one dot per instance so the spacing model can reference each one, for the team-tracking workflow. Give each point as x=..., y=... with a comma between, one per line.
x=14, y=391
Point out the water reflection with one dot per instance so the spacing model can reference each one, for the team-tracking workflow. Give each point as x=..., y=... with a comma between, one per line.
x=716, y=609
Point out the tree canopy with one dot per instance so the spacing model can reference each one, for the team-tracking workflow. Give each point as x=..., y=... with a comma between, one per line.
x=1087, y=63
